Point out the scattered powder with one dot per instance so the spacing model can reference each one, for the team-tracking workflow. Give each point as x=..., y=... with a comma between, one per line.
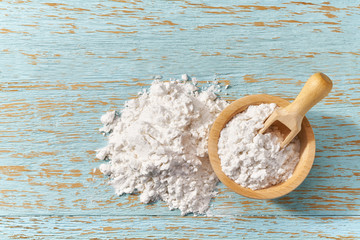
x=157, y=145
x=254, y=160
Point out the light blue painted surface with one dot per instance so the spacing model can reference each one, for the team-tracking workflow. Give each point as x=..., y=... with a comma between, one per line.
x=63, y=66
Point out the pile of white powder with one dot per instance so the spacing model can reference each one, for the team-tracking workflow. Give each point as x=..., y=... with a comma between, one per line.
x=255, y=160
x=157, y=145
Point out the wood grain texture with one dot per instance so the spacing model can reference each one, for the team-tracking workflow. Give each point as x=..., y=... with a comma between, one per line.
x=155, y=227
x=65, y=63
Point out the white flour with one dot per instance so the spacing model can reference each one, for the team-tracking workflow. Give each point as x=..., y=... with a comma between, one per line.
x=157, y=145
x=254, y=160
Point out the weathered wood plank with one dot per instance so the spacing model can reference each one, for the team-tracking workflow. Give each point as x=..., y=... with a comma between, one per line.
x=149, y=227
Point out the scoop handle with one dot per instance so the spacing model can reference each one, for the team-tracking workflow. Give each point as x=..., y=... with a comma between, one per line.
x=316, y=88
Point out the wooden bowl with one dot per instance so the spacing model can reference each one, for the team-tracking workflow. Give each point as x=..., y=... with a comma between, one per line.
x=307, y=149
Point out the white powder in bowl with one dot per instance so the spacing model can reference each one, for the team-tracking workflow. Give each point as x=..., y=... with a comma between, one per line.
x=255, y=160
x=157, y=145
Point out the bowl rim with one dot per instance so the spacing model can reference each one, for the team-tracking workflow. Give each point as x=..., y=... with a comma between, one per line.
x=302, y=169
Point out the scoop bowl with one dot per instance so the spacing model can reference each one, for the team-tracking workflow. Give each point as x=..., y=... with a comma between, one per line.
x=307, y=149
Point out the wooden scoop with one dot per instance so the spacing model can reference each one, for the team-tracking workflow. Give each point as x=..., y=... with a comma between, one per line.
x=316, y=88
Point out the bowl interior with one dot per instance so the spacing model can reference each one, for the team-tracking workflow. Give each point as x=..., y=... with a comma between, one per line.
x=307, y=149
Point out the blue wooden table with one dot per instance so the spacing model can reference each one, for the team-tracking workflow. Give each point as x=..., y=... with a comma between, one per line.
x=64, y=64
